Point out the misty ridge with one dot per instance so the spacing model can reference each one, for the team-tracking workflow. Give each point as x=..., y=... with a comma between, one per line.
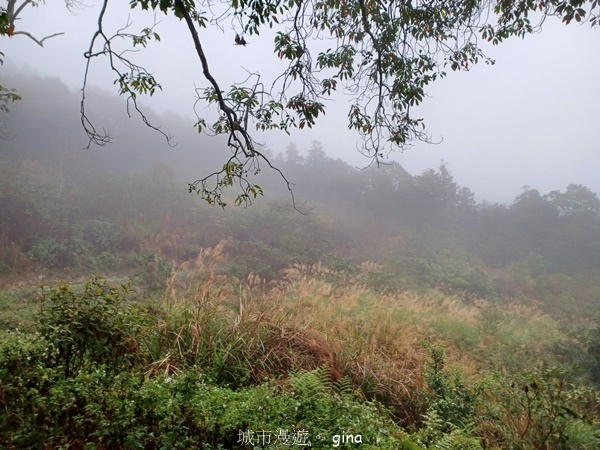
x=44, y=129
x=375, y=309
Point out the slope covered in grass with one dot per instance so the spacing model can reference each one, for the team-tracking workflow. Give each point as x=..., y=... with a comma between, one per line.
x=317, y=351
x=380, y=304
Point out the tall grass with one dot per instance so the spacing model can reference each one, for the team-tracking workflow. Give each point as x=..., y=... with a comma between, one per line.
x=245, y=332
x=243, y=336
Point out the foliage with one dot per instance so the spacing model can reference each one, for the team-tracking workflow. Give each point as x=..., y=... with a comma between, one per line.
x=593, y=348
x=419, y=229
x=17, y=310
x=94, y=242
x=384, y=57
x=95, y=325
x=25, y=380
x=451, y=401
x=576, y=200
x=447, y=266
x=255, y=257
x=438, y=434
x=7, y=95
x=99, y=407
x=309, y=346
x=538, y=409
x=219, y=360
x=152, y=274
x=45, y=251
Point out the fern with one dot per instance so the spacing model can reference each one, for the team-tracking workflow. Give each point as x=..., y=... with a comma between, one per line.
x=344, y=387
x=457, y=439
x=438, y=434
x=313, y=383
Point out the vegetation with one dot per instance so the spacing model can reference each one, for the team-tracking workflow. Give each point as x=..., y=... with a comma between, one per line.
x=394, y=313
x=212, y=363
x=384, y=56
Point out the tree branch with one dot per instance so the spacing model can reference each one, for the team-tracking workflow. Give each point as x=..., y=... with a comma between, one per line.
x=247, y=147
x=135, y=80
x=14, y=15
x=235, y=168
x=39, y=42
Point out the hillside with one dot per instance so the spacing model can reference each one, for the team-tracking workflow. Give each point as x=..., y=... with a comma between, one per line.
x=380, y=304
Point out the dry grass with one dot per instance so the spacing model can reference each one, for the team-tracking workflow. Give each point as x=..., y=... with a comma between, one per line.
x=381, y=355
x=314, y=317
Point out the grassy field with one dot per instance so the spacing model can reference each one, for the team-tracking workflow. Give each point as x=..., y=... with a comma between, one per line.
x=217, y=362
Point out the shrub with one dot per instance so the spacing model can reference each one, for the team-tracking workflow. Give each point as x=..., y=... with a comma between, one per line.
x=46, y=251
x=448, y=422
x=538, y=409
x=100, y=409
x=152, y=274
x=94, y=243
x=448, y=394
x=593, y=349
x=96, y=325
x=24, y=380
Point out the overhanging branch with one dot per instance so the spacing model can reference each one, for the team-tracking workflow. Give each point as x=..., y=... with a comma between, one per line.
x=135, y=79
x=39, y=42
x=245, y=159
x=13, y=16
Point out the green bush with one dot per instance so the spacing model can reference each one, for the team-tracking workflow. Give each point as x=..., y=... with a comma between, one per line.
x=94, y=243
x=98, y=408
x=16, y=309
x=538, y=409
x=448, y=395
x=152, y=274
x=593, y=348
x=45, y=251
x=25, y=380
x=82, y=382
x=582, y=435
x=254, y=256
x=95, y=325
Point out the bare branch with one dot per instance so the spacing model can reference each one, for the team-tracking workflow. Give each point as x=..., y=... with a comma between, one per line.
x=39, y=42
x=10, y=9
x=13, y=15
x=135, y=79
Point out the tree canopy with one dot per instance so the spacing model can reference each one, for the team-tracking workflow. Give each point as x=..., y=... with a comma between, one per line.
x=383, y=54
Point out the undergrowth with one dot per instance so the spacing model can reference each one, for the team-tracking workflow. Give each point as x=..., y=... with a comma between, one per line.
x=215, y=362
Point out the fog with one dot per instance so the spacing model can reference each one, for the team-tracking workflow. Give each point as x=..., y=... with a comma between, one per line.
x=531, y=119
x=434, y=302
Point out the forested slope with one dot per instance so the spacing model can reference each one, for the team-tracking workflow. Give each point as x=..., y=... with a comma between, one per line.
x=331, y=317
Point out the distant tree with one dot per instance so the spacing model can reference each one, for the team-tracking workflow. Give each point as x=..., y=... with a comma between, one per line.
x=387, y=191
x=438, y=199
x=579, y=225
x=332, y=181
x=534, y=221
x=292, y=155
x=383, y=53
x=577, y=199
x=531, y=208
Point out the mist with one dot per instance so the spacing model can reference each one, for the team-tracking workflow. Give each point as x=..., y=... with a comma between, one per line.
x=530, y=119
x=448, y=297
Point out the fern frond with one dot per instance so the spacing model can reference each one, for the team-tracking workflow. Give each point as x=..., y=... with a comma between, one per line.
x=313, y=383
x=344, y=387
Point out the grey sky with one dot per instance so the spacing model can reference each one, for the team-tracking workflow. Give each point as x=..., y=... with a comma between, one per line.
x=530, y=119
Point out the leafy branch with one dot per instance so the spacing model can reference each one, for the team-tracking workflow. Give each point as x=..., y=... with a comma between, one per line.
x=383, y=54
